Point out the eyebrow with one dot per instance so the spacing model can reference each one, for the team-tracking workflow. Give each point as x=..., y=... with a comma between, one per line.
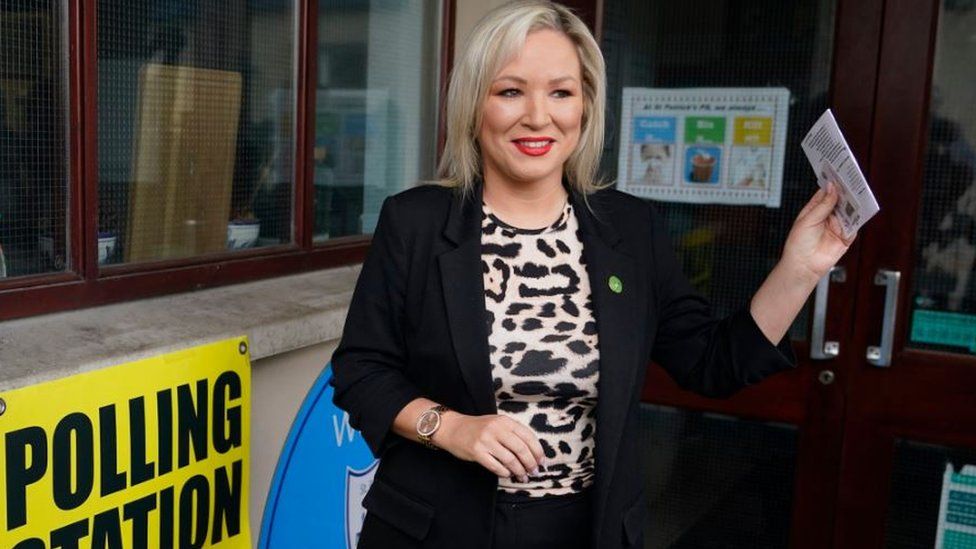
x=524, y=81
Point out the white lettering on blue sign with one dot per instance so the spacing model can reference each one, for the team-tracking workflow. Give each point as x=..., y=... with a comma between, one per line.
x=342, y=428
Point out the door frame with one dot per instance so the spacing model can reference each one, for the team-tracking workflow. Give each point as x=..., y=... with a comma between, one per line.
x=914, y=397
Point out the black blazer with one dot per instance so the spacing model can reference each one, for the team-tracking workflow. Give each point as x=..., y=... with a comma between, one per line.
x=416, y=327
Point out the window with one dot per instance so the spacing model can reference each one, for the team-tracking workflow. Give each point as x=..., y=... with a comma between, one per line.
x=196, y=127
x=33, y=139
x=189, y=143
x=373, y=134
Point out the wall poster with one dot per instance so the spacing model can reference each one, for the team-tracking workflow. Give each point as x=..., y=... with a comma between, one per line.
x=704, y=145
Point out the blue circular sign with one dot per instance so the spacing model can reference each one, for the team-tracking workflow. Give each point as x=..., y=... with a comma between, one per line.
x=323, y=473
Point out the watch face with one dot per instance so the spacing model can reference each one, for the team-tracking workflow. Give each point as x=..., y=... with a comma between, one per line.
x=429, y=421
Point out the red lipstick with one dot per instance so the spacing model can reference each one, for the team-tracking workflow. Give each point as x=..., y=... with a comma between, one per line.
x=534, y=146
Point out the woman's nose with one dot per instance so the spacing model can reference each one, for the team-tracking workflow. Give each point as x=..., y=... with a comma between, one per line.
x=536, y=112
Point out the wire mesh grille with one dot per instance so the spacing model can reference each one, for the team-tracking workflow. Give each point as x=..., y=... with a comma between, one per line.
x=716, y=481
x=195, y=127
x=733, y=43
x=33, y=139
x=944, y=282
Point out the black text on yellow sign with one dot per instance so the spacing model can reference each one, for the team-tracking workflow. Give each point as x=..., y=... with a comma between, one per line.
x=152, y=453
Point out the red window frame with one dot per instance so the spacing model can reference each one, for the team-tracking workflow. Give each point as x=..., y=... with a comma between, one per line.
x=87, y=284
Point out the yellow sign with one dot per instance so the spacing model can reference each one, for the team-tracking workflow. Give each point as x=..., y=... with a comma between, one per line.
x=754, y=131
x=153, y=453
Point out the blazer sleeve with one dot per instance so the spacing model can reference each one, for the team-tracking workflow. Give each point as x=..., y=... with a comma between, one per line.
x=710, y=356
x=368, y=366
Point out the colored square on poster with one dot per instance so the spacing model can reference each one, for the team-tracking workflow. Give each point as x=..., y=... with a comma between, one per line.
x=753, y=131
x=703, y=164
x=705, y=129
x=750, y=167
x=654, y=129
x=653, y=163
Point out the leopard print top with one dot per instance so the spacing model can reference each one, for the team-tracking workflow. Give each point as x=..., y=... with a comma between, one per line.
x=543, y=345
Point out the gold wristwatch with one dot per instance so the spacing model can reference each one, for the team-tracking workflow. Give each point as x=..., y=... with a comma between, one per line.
x=428, y=423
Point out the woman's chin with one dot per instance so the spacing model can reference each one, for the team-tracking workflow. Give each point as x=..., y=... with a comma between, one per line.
x=530, y=176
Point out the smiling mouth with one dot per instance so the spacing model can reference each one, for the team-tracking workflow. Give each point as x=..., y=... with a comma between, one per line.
x=534, y=147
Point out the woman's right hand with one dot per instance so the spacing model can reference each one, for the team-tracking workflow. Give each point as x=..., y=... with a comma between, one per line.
x=499, y=443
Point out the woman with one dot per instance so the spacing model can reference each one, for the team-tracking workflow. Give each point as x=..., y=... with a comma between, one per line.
x=496, y=344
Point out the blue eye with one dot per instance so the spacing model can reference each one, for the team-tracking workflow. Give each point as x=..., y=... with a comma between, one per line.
x=509, y=92
x=562, y=93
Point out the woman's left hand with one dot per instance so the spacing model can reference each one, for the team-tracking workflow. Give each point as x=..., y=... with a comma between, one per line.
x=815, y=244
x=816, y=241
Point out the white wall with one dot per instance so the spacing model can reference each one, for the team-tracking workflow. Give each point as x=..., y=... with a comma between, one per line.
x=278, y=388
x=468, y=13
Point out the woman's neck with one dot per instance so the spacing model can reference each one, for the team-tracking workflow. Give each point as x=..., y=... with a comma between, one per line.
x=532, y=205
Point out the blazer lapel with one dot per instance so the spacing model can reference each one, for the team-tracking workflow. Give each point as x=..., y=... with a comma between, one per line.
x=621, y=331
x=464, y=295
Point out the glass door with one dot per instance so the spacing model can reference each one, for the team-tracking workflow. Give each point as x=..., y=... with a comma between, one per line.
x=908, y=475
x=871, y=442
x=759, y=469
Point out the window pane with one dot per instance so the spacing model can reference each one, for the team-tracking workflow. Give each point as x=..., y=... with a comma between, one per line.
x=195, y=126
x=726, y=250
x=33, y=139
x=715, y=480
x=375, y=123
x=944, y=283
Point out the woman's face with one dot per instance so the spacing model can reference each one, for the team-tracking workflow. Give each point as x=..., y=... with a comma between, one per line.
x=532, y=117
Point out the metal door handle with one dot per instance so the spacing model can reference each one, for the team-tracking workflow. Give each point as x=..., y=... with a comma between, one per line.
x=820, y=349
x=881, y=355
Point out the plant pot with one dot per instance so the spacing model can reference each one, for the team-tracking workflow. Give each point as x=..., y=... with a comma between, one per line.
x=106, y=246
x=242, y=233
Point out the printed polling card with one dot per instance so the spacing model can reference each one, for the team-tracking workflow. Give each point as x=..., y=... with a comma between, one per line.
x=832, y=160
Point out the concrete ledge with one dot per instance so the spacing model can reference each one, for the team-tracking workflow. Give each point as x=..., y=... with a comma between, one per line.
x=278, y=315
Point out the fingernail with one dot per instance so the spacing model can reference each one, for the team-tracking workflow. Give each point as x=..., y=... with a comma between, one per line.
x=535, y=471
x=524, y=478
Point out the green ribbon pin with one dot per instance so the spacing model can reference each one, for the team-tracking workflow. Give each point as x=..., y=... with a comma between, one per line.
x=615, y=284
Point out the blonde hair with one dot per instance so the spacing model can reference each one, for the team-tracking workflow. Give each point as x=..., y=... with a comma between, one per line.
x=495, y=40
